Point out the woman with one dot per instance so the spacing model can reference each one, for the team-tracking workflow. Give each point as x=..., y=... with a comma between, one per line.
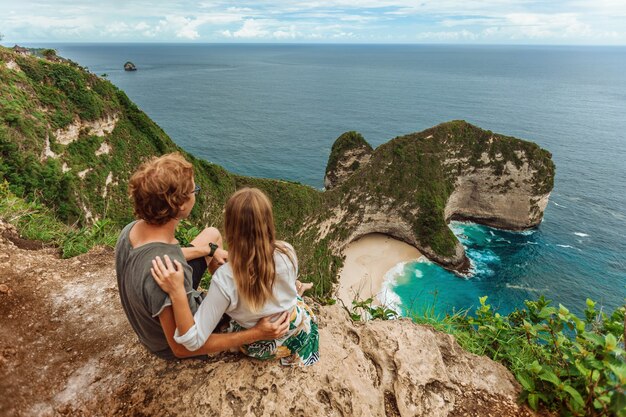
x=259, y=280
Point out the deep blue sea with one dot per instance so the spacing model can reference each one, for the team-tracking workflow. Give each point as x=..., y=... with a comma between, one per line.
x=275, y=111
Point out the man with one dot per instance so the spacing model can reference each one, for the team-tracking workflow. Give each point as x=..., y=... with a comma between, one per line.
x=163, y=193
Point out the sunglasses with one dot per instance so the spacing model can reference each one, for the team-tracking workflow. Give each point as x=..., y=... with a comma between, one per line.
x=196, y=189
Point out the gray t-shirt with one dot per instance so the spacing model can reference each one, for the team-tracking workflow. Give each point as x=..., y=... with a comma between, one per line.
x=141, y=297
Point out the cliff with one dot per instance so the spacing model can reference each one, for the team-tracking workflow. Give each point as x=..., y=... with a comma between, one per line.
x=348, y=153
x=66, y=348
x=412, y=186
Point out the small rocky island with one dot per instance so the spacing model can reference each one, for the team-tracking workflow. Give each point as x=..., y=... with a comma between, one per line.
x=129, y=66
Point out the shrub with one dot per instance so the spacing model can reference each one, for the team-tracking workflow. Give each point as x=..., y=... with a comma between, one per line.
x=365, y=310
x=564, y=362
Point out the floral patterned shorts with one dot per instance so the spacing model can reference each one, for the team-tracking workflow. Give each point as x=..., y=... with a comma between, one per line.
x=299, y=347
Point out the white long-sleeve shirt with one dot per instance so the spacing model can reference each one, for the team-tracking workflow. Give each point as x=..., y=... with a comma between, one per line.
x=223, y=298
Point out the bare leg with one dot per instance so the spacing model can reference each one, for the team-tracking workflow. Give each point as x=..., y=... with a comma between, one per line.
x=209, y=235
x=301, y=287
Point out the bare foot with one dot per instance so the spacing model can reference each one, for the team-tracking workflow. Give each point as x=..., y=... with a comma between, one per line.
x=301, y=287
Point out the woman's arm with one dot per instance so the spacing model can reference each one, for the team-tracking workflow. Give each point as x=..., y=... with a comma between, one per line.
x=191, y=331
x=206, y=318
x=197, y=330
x=265, y=329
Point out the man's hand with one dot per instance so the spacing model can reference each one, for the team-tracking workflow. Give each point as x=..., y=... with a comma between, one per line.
x=220, y=256
x=301, y=287
x=269, y=330
x=169, y=276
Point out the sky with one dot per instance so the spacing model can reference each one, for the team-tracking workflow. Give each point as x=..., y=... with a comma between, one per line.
x=577, y=22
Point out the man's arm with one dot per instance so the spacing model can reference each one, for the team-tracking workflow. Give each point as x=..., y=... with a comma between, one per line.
x=217, y=342
x=192, y=252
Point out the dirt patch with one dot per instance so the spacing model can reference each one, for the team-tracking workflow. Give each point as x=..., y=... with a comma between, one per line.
x=40, y=346
x=21, y=243
x=27, y=244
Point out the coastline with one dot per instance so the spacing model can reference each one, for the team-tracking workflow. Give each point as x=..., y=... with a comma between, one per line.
x=368, y=259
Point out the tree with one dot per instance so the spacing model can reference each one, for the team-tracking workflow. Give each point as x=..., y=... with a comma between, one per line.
x=50, y=54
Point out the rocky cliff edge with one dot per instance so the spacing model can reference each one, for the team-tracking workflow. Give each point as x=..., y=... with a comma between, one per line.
x=67, y=349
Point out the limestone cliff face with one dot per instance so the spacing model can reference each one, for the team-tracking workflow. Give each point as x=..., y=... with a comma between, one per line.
x=508, y=201
x=412, y=186
x=66, y=348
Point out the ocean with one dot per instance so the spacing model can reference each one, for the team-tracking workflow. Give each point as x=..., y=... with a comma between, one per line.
x=275, y=110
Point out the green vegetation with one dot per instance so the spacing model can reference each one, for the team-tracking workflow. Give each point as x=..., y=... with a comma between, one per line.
x=565, y=363
x=365, y=310
x=347, y=141
x=573, y=366
x=37, y=222
x=49, y=53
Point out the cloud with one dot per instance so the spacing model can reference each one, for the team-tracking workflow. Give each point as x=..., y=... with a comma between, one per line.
x=185, y=28
x=252, y=29
x=188, y=27
x=447, y=36
x=267, y=28
x=534, y=25
x=121, y=29
x=290, y=33
x=520, y=27
x=494, y=21
x=358, y=18
x=471, y=21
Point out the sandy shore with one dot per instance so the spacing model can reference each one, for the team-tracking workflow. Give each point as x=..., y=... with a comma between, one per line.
x=367, y=261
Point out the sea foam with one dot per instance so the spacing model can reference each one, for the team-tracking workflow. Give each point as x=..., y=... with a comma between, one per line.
x=525, y=288
x=387, y=296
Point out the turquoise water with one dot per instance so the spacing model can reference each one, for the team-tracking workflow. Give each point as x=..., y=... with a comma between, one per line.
x=502, y=268
x=275, y=111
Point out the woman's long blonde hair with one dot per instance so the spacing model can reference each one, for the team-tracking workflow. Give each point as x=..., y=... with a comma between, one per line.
x=251, y=237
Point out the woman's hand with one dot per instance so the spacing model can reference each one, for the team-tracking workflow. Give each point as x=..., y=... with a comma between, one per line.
x=169, y=276
x=269, y=330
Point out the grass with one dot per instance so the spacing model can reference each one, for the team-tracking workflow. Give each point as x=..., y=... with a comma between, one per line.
x=37, y=222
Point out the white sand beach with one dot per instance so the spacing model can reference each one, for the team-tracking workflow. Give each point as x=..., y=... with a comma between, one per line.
x=367, y=261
